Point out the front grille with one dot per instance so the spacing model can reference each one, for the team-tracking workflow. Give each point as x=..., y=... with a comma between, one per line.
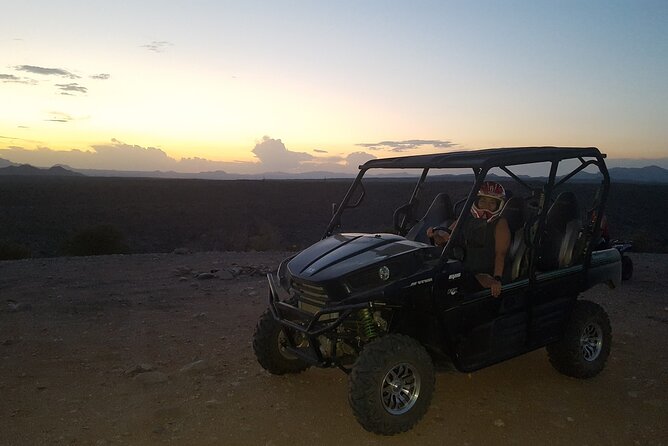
x=312, y=298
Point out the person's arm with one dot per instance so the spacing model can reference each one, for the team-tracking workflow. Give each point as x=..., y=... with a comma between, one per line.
x=502, y=243
x=441, y=236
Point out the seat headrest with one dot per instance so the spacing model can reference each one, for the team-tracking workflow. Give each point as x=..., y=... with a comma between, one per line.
x=513, y=212
x=439, y=212
x=564, y=209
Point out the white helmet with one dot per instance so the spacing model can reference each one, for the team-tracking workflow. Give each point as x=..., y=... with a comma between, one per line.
x=494, y=190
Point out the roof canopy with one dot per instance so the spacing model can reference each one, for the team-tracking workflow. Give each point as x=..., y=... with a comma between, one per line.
x=485, y=158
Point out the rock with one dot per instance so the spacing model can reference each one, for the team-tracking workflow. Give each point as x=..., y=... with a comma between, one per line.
x=236, y=270
x=199, y=316
x=181, y=251
x=15, y=307
x=183, y=279
x=140, y=368
x=183, y=271
x=194, y=367
x=151, y=378
x=213, y=403
x=206, y=276
x=633, y=394
x=226, y=275
x=499, y=423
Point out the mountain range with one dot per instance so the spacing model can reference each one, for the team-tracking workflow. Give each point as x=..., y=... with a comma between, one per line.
x=648, y=174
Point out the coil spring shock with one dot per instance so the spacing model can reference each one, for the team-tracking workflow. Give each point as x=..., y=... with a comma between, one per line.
x=369, y=327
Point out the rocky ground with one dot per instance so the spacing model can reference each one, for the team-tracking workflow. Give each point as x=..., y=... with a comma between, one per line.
x=156, y=349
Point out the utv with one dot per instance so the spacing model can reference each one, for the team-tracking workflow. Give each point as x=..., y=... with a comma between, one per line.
x=383, y=306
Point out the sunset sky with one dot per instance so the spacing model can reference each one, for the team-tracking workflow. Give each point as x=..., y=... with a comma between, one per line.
x=250, y=86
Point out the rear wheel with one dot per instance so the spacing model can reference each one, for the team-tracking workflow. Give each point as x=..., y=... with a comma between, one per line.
x=391, y=384
x=585, y=347
x=269, y=344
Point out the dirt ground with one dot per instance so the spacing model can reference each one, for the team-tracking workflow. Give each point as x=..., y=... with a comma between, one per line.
x=138, y=350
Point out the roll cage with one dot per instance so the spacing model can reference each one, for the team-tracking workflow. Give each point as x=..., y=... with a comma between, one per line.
x=480, y=162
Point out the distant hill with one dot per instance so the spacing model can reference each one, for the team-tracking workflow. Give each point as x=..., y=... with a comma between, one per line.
x=5, y=163
x=649, y=174
x=641, y=175
x=28, y=170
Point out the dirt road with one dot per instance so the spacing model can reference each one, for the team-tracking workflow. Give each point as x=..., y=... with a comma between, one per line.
x=156, y=349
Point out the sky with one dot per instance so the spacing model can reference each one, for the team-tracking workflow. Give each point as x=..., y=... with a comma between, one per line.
x=296, y=86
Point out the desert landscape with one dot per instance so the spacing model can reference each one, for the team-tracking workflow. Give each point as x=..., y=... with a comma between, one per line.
x=156, y=349
x=55, y=216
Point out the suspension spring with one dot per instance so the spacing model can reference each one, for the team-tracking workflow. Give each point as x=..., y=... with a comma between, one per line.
x=369, y=327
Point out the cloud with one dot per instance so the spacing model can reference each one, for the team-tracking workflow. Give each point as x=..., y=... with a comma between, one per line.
x=273, y=155
x=356, y=159
x=59, y=117
x=402, y=146
x=319, y=151
x=16, y=79
x=157, y=46
x=46, y=71
x=337, y=164
x=67, y=88
x=101, y=76
x=132, y=157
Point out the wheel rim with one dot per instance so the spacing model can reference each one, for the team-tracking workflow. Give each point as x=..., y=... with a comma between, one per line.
x=591, y=341
x=400, y=389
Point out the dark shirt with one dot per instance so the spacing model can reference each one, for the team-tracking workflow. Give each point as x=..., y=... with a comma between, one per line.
x=479, y=246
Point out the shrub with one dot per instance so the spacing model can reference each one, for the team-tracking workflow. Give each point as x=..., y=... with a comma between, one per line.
x=97, y=240
x=13, y=251
x=265, y=238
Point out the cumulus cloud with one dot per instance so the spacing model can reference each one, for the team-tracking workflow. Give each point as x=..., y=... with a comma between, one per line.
x=46, y=71
x=101, y=76
x=115, y=155
x=157, y=46
x=356, y=159
x=132, y=157
x=273, y=155
x=337, y=164
x=402, y=146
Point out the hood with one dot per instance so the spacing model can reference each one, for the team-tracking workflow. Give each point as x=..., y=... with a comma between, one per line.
x=340, y=254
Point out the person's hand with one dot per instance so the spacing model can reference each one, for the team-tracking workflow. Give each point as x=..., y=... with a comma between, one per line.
x=490, y=282
x=496, y=287
x=439, y=234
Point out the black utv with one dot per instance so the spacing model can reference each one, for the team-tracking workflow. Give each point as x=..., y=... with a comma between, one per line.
x=383, y=306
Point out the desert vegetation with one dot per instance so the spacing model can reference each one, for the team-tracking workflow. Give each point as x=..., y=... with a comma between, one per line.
x=54, y=216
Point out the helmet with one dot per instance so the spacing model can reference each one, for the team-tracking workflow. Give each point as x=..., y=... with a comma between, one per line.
x=493, y=190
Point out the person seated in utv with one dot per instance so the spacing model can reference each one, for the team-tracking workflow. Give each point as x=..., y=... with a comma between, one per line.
x=485, y=241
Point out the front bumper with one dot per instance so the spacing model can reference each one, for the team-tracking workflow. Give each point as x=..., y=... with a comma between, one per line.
x=310, y=325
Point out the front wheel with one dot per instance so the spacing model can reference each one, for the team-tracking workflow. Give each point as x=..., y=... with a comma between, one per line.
x=585, y=347
x=391, y=384
x=269, y=344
